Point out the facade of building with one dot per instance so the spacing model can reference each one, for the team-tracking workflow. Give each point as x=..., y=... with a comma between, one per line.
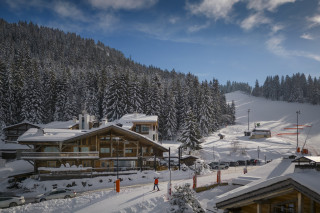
x=260, y=133
x=108, y=148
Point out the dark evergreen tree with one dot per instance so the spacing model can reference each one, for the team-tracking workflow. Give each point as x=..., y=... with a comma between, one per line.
x=190, y=134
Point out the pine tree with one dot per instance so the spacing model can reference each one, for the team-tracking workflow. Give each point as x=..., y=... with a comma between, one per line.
x=32, y=108
x=183, y=200
x=155, y=99
x=190, y=134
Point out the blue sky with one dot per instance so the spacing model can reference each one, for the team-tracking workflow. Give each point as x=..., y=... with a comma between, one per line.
x=236, y=40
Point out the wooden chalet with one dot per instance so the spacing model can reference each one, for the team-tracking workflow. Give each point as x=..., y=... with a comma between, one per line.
x=295, y=192
x=12, y=133
x=97, y=150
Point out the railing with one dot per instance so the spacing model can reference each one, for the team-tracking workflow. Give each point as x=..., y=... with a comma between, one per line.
x=59, y=155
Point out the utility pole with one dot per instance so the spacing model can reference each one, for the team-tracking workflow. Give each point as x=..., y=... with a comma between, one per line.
x=248, y=119
x=258, y=154
x=298, y=112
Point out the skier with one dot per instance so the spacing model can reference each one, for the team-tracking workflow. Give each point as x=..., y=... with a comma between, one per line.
x=156, y=181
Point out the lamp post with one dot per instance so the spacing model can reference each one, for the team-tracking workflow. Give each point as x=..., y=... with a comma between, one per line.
x=117, y=139
x=298, y=112
x=248, y=119
x=258, y=154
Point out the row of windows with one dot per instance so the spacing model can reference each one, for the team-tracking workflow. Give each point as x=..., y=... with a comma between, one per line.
x=86, y=149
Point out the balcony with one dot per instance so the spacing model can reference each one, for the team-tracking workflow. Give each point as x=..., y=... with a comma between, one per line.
x=58, y=155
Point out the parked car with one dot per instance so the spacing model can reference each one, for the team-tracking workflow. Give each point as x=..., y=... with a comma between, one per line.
x=233, y=164
x=219, y=165
x=56, y=194
x=11, y=201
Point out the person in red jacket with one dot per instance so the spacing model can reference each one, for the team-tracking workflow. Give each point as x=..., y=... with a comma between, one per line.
x=156, y=182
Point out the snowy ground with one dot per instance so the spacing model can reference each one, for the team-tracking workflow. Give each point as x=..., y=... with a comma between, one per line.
x=136, y=195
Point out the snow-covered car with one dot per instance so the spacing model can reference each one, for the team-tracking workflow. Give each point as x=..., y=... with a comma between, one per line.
x=11, y=201
x=219, y=165
x=56, y=194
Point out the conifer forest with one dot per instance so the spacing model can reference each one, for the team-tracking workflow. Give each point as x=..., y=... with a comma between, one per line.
x=48, y=75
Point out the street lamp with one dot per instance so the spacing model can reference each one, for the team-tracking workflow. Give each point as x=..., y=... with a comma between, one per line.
x=248, y=119
x=298, y=113
x=258, y=154
x=117, y=139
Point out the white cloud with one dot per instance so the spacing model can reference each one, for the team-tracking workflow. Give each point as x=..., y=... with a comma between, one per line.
x=68, y=10
x=270, y=5
x=25, y=3
x=174, y=20
x=217, y=9
x=254, y=20
x=196, y=28
x=274, y=45
x=315, y=21
x=107, y=22
x=307, y=36
x=276, y=28
x=122, y=4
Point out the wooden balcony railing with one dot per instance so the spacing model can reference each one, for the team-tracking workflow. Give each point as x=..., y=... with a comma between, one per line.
x=59, y=155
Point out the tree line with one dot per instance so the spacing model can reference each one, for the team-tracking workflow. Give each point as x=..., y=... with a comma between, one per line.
x=48, y=75
x=296, y=88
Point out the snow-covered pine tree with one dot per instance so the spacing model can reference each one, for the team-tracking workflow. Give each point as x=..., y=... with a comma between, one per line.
x=91, y=102
x=256, y=90
x=145, y=94
x=32, y=107
x=62, y=97
x=190, y=134
x=217, y=106
x=48, y=95
x=206, y=109
x=183, y=199
x=135, y=98
x=181, y=105
x=171, y=119
x=116, y=98
x=156, y=96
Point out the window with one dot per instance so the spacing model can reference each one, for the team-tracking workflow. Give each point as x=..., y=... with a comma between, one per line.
x=154, y=128
x=51, y=149
x=138, y=128
x=154, y=137
x=105, y=150
x=75, y=149
x=144, y=149
x=144, y=128
x=85, y=149
x=86, y=163
x=129, y=150
x=52, y=164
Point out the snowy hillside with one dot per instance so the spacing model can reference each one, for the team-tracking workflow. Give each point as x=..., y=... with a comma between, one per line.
x=277, y=115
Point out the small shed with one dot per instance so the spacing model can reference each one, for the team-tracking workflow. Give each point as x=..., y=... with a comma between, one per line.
x=260, y=133
x=188, y=160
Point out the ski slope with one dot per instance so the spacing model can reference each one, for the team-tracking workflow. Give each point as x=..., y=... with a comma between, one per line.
x=277, y=115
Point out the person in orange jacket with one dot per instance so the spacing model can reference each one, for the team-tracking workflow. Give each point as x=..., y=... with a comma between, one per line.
x=156, y=182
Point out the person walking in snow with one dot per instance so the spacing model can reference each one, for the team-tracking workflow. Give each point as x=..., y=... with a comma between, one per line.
x=156, y=182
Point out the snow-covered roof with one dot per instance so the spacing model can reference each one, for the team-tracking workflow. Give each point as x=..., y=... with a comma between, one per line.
x=23, y=122
x=137, y=117
x=315, y=159
x=308, y=179
x=38, y=135
x=274, y=173
x=61, y=124
x=61, y=135
x=277, y=167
